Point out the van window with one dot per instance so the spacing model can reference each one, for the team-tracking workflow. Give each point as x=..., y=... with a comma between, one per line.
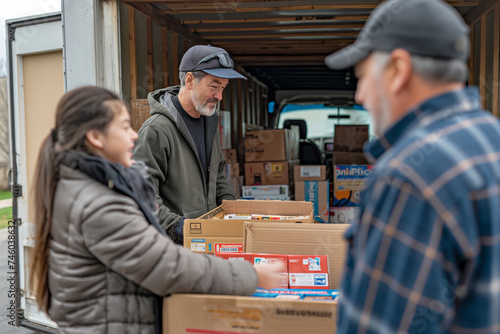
x=321, y=120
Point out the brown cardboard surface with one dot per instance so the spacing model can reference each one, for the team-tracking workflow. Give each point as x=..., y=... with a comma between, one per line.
x=271, y=145
x=300, y=239
x=211, y=228
x=195, y=313
x=309, y=172
x=269, y=172
x=321, y=193
x=350, y=138
x=288, y=208
x=230, y=156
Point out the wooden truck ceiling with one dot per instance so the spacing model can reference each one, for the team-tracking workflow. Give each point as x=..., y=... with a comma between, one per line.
x=262, y=35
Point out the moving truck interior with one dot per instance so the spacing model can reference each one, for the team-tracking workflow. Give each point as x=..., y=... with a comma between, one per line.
x=135, y=46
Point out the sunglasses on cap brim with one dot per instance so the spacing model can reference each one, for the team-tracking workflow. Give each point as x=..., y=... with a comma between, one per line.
x=224, y=59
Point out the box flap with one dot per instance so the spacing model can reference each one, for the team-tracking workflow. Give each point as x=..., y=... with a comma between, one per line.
x=300, y=239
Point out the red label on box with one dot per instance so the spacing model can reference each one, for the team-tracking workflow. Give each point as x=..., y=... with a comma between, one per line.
x=274, y=259
x=236, y=256
x=308, y=272
x=228, y=248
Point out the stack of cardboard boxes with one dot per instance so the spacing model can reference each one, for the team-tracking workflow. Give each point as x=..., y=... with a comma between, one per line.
x=350, y=170
x=269, y=159
x=311, y=185
x=195, y=313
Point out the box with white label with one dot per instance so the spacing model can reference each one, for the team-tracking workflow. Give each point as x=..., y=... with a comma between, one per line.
x=280, y=192
x=308, y=272
x=344, y=215
x=309, y=173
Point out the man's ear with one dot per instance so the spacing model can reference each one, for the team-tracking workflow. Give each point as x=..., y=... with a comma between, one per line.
x=189, y=80
x=95, y=138
x=400, y=70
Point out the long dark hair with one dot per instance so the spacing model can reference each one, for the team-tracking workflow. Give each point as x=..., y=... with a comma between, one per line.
x=79, y=111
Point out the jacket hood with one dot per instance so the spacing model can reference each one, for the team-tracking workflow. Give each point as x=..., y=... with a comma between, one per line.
x=155, y=101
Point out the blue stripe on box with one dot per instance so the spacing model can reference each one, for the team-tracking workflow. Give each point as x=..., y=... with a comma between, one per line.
x=198, y=240
x=311, y=194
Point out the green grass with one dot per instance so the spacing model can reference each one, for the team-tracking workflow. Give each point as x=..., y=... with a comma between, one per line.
x=5, y=216
x=4, y=194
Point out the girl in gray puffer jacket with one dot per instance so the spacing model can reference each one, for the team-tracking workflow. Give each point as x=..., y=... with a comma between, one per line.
x=101, y=261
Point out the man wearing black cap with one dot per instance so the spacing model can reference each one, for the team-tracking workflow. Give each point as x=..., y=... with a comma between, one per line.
x=424, y=253
x=180, y=143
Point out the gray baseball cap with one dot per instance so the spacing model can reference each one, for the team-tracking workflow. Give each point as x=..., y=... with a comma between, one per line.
x=429, y=28
x=211, y=60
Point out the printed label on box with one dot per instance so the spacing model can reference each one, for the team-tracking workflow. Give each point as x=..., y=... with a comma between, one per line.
x=228, y=248
x=352, y=173
x=344, y=215
x=308, y=271
x=198, y=245
x=310, y=171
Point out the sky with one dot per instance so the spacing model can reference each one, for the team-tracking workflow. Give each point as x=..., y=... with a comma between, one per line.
x=10, y=9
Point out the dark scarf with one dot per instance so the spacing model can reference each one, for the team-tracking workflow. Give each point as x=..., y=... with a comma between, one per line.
x=131, y=182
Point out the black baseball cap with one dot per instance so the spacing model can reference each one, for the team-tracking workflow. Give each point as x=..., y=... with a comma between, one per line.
x=211, y=60
x=429, y=28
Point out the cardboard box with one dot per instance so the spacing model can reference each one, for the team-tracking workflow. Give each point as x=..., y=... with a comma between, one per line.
x=232, y=171
x=271, y=145
x=280, y=260
x=309, y=172
x=343, y=215
x=269, y=172
x=201, y=234
x=236, y=256
x=230, y=155
x=195, y=313
x=349, y=138
x=318, y=193
x=349, y=158
x=308, y=272
x=300, y=239
x=225, y=129
x=266, y=192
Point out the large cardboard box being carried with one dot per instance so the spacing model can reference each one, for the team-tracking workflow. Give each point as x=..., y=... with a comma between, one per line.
x=208, y=232
x=300, y=239
x=195, y=313
x=271, y=145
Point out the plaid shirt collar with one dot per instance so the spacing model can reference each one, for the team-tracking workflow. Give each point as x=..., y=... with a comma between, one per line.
x=454, y=102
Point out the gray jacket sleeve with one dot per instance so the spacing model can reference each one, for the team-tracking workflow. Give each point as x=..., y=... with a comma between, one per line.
x=148, y=150
x=116, y=233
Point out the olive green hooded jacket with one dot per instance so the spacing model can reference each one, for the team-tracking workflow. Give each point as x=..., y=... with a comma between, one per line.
x=167, y=147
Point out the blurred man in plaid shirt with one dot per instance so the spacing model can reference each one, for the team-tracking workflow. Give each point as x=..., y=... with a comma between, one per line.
x=424, y=255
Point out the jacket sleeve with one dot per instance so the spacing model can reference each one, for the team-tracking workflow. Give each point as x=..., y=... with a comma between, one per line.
x=154, y=156
x=223, y=189
x=117, y=234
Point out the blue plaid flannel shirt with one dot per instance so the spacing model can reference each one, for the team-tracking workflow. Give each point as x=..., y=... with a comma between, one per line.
x=424, y=255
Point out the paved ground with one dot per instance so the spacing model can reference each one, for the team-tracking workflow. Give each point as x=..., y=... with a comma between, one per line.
x=5, y=203
x=5, y=328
